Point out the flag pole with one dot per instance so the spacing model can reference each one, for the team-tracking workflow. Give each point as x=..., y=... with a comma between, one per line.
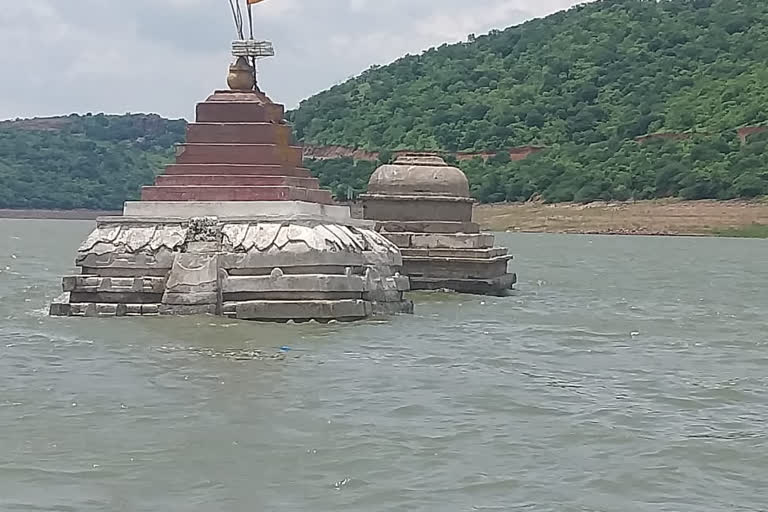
x=250, y=17
x=250, y=24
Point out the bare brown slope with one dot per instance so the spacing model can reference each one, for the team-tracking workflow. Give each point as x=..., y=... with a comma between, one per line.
x=661, y=217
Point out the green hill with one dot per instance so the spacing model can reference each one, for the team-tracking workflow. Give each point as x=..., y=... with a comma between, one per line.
x=584, y=83
x=93, y=162
x=608, y=69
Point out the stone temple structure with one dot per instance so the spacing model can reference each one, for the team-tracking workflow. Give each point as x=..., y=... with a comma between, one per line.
x=422, y=204
x=236, y=227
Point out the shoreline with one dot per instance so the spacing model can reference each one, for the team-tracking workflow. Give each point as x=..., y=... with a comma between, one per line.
x=664, y=217
x=661, y=217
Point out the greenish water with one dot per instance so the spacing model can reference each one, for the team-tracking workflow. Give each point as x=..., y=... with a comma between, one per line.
x=750, y=231
x=625, y=374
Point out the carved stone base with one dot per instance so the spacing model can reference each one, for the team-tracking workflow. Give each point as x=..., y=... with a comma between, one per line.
x=451, y=256
x=266, y=270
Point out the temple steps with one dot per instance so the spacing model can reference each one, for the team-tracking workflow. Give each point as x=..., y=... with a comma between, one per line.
x=238, y=133
x=239, y=112
x=237, y=170
x=269, y=154
x=235, y=181
x=234, y=193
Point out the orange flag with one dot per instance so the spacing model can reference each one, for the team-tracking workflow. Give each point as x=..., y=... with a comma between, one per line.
x=251, y=2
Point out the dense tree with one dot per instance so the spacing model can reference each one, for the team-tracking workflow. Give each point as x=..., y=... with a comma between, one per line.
x=93, y=162
x=702, y=167
x=611, y=68
x=584, y=82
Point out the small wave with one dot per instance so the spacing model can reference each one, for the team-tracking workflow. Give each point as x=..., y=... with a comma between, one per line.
x=229, y=354
x=349, y=483
x=729, y=436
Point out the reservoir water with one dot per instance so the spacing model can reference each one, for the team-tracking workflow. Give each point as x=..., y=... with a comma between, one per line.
x=625, y=374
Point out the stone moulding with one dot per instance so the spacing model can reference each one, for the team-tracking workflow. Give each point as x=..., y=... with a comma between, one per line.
x=251, y=269
x=422, y=205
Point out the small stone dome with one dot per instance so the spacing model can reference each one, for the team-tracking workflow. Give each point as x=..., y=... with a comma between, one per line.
x=419, y=175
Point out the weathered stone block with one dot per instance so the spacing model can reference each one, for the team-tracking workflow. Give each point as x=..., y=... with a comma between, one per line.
x=61, y=306
x=115, y=297
x=187, y=310
x=304, y=310
x=499, y=286
x=402, y=283
x=455, y=253
x=427, y=227
x=198, y=272
x=234, y=193
x=133, y=309
x=91, y=284
x=150, y=309
x=298, y=283
x=453, y=268
x=190, y=298
x=258, y=262
x=203, y=247
x=80, y=309
x=218, y=180
x=120, y=264
x=417, y=209
x=458, y=241
x=284, y=295
x=239, y=112
x=236, y=170
x=468, y=253
x=266, y=154
x=401, y=240
x=104, y=310
x=237, y=133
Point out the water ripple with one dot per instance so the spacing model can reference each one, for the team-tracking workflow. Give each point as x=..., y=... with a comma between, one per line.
x=624, y=374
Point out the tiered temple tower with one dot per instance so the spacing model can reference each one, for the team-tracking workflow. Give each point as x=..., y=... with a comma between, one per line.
x=423, y=205
x=236, y=227
x=239, y=149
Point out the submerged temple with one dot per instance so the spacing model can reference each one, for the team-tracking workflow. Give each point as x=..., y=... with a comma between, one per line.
x=423, y=205
x=236, y=227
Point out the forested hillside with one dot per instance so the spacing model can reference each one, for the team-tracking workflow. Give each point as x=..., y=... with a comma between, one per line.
x=93, y=162
x=605, y=70
x=703, y=167
x=585, y=83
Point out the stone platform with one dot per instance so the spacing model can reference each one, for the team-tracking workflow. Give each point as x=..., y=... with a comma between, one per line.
x=422, y=205
x=295, y=269
x=236, y=209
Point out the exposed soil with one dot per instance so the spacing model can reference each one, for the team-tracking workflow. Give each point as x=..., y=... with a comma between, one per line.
x=331, y=152
x=662, y=217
